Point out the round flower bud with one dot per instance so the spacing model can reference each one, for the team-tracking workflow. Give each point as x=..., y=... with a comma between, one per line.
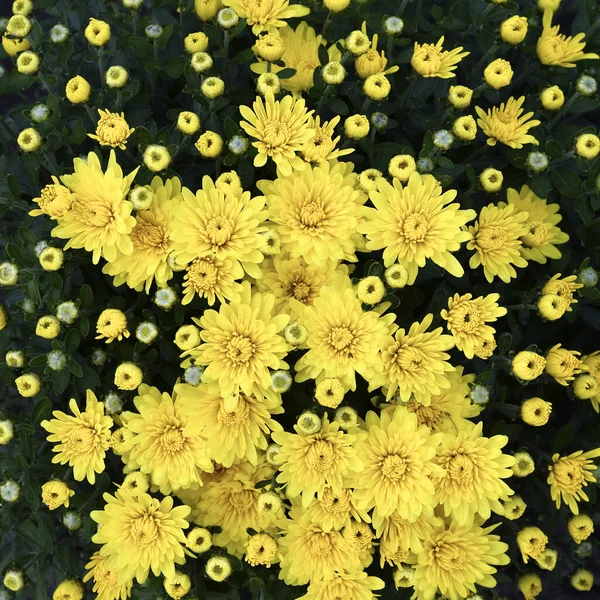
x=9, y=273
x=165, y=298
x=330, y=392
x=460, y=96
x=443, y=139
x=187, y=337
x=39, y=113
x=548, y=5
x=268, y=83
x=582, y=580
x=536, y=412
x=133, y=4
x=56, y=360
x=218, y=568
x=367, y=180
x=333, y=73
x=551, y=307
x=281, y=381
x=146, y=332
x=370, y=290
x=188, y=122
x=28, y=63
x=261, y=549
x=78, y=90
x=59, y=34
x=210, y=144
x=22, y=7
x=584, y=550
x=269, y=47
x=56, y=494
x=111, y=325
x=491, y=180
x=18, y=26
x=356, y=127
x=193, y=375
x=393, y=25
x=537, y=161
x=69, y=588
x=336, y=6
x=480, y=395
x=377, y=87
x=51, y=259
x=552, y=98
x=358, y=43
x=585, y=387
x=396, y=276
x=271, y=454
x=530, y=585
x=587, y=146
x=177, y=585
x=29, y=140
x=201, y=62
x=268, y=503
x=238, y=145
x=514, y=29
x=213, y=87
x=199, y=540
x=128, y=376
x=15, y=359
x=379, y=120
x=97, y=33
x=195, y=42
x=153, y=31
x=28, y=385
x=6, y=432
x=424, y=165
x=295, y=334
x=347, y=417
x=13, y=580
x=227, y=18
x=229, y=183
x=157, y=158
x=272, y=243
x=586, y=85
x=116, y=77
x=580, y=528
x=308, y=423
x=28, y=305
x=588, y=276
x=99, y=357
x=207, y=9
x=141, y=197
x=12, y=47
x=48, y=327
x=514, y=508
x=524, y=464
x=135, y=483
x=113, y=404
x=402, y=166
x=498, y=73
x=465, y=128
x=527, y=365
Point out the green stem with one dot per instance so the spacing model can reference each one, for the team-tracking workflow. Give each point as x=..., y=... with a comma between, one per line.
x=118, y=101
x=345, y=57
x=485, y=57
x=155, y=49
x=101, y=64
x=269, y=66
x=409, y=91
x=520, y=306
x=134, y=20
x=326, y=25
x=180, y=6
x=564, y=110
x=226, y=58
x=593, y=28
x=324, y=96
x=90, y=114
x=475, y=154
x=390, y=47
x=365, y=105
x=525, y=74
x=183, y=146
x=559, y=161
x=402, y=7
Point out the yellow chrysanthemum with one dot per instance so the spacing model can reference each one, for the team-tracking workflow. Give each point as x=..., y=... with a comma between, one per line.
x=211, y=278
x=311, y=554
x=357, y=585
x=241, y=343
x=416, y=222
x=265, y=14
x=507, y=124
x=335, y=510
x=99, y=219
x=557, y=49
x=316, y=212
x=112, y=130
x=55, y=200
x=342, y=338
x=531, y=542
x=82, y=439
x=592, y=363
x=563, y=288
x=167, y=443
x=211, y=222
x=140, y=534
x=399, y=463
x=563, y=364
x=568, y=475
x=496, y=239
x=415, y=362
x=467, y=318
x=151, y=239
x=301, y=52
x=311, y=463
x=106, y=582
x=281, y=130
x=539, y=243
x=322, y=146
x=474, y=468
x=455, y=559
x=430, y=60
x=231, y=433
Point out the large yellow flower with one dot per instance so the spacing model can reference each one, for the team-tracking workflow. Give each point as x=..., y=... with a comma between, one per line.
x=342, y=338
x=265, y=14
x=302, y=54
x=99, y=219
x=507, y=124
x=227, y=226
x=151, y=239
x=335, y=510
x=281, y=130
x=241, y=343
x=415, y=362
x=311, y=554
x=139, y=534
x=475, y=466
x=431, y=60
x=399, y=463
x=539, y=243
x=106, y=582
x=568, y=475
x=311, y=463
x=357, y=585
x=454, y=559
x=83, y=439
x=557, y=49
x=416, y=222
x=317, y=212
x=467, y=318
x=167, y=443
x=231, y=433
x=496, y=239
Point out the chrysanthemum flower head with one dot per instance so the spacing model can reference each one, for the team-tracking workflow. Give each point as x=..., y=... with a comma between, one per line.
x=322, y=146
x=563, y=364
x=532, y=542
x=431, y=60
x=266, y=15
x=564, y=288
x=112, y=130
x=580, y=528
x=105, y=581
x=354, y=584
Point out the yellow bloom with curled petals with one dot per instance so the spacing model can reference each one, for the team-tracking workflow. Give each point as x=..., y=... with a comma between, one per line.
x=430, y=60
x=56, y=494
x=373, y=61
x=563, y=364
x=322, y=146
x=580, y=528
x=266, y=14
x=112, y=130
x=55, y=200
x=356, y=584
x=563, y=288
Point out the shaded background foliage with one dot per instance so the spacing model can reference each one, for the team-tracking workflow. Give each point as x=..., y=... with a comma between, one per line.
x=162, y=84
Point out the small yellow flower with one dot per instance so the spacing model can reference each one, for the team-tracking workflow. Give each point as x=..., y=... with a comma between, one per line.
x=524, y=464
x=28, y=385
x=514, y=507
x=213, y=87
x=128, y=376
x=530, y=585
x=116, y=77
x=430, y=60
x=333, y=73
x=210, y=144
x=207, y=9
x=156, y=158
x=402, y=166
x=78, y=90
x=13, y=580
x=588, y=146
x=377, y=87
x=22, y=7
x=330, y=392
x=269, y=47
x=201, y=62
x=396, y=276
x=12, y=47
x=112, y=130
x=218, y=568
x=268, y=83
x=188, y=122
x=514, y=29
x=547, y=559
x=532, y=542
x=460, y=96
x=358, y=42
x=48, y=327
x=336, y=6
x=187, y=337
x=368, y=179
x=261, y=549
x=356, y=127
x=563, y=364
x=582, y=580
x=199, y=540
x=536, y=411
x=97, y=32
x=18, y=26
x=527, y=365
x=586, y=387
x=177, y=585
x=552, y=98
x=29, y=140
x=491, y=180
x=51, y=259
x=195, y=42
x=465, y=128
x=498, y=73
x=551, y=307
x=28, y=63
x=580, y=528
x=370, y=290
x=56, y=494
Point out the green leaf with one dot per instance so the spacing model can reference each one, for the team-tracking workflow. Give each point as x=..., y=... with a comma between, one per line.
x=86, y=296
x=71, y=341
x=13, y=186
x=78, y=133
x=540, y=185
x=323, y=55
x=563, y=438
x=566, y=182
x=286, y=73
x=75, y=368
x=338, y=106
x=60, y=381
x=41, y=410
x=231, y=128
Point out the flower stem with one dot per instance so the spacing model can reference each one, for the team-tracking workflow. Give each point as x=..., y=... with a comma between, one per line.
x=485, y=57
x=90, y=113
x=326, y=25
x=402, y=7
x=365, y=105
x=101, y=64
x=564, y=110
x=409, y=91
x=226, y=58
x=324, y=96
